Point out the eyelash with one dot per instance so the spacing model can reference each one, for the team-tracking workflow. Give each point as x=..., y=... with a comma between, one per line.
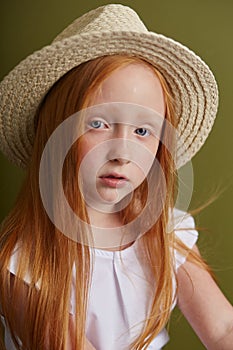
x=101, y=125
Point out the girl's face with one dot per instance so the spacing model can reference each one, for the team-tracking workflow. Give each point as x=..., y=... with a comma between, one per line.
x=121, y=135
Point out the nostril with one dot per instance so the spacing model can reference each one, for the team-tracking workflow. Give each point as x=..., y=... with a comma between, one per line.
x=120, y=160
x=118, y=153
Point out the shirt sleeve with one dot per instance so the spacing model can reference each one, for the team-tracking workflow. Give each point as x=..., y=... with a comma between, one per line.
x=13, y=266
x=184, y=228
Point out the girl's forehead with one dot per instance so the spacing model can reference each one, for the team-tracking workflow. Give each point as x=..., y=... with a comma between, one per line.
x=134, y=83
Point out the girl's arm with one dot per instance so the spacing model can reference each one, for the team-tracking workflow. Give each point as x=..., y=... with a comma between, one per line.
x=205, y=307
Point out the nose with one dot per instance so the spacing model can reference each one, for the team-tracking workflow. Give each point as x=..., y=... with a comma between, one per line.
x=120, y=160
x=119, y=151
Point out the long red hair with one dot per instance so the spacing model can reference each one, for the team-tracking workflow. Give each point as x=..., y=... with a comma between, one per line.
x=48, y=256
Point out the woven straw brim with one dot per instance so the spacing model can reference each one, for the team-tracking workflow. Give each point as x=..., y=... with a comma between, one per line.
x=192, y=84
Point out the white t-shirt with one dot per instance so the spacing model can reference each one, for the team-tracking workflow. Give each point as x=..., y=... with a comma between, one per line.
x=120, y=293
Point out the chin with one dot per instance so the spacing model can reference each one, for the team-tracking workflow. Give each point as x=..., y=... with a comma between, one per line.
x=115, y=197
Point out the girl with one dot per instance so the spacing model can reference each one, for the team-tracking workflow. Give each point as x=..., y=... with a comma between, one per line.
x=100, y=263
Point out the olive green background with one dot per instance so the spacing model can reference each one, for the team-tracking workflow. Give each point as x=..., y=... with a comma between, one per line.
x=206, y=27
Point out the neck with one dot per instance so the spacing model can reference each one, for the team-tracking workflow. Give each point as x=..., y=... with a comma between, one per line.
x=107, y=220
x=104, y=219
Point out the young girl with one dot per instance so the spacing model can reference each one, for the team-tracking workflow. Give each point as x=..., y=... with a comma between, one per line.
x=94, y=255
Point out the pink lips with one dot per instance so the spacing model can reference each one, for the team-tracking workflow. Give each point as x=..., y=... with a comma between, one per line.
x=113, y=180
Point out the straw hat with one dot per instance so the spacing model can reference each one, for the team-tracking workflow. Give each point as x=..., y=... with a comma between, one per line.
x=107, y=30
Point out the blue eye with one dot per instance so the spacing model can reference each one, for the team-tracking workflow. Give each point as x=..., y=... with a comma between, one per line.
x=96, y=124
x=142, y=132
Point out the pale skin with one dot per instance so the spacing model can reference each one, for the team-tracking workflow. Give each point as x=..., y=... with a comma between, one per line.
x=205, y=307
x=118, y=132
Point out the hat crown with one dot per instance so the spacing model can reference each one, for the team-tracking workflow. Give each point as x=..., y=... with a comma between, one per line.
x=109, y=18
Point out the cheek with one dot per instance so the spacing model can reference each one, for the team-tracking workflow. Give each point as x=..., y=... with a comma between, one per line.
x=142, y=166
x=91, y=157
x=86, y=144
x=153, y=146
x=147, y=155
x=93, y=144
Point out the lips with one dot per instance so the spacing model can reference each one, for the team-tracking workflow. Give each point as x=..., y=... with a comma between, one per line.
x=113, y=180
